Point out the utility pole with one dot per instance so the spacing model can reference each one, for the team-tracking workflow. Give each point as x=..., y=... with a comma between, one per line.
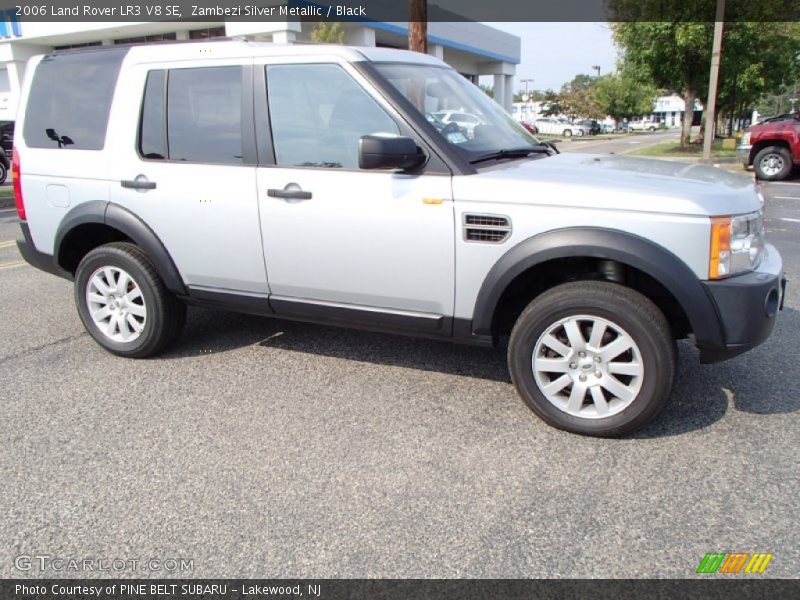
x=711, y=103
x=418, y=26
x=596, y=68
x=526, y=82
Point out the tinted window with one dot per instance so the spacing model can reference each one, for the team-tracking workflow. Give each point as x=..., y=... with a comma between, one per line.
x=204, y=115
x=152, y=138
x=70, y=99
x=318, y=113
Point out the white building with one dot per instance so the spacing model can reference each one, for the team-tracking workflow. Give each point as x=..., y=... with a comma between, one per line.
x=670, y=111
x=666, y=109
x=473, y=49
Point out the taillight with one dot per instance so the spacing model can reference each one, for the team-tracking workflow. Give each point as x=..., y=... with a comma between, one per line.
x=17, y=184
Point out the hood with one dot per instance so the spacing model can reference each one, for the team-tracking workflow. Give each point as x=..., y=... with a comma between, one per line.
x=613, y=182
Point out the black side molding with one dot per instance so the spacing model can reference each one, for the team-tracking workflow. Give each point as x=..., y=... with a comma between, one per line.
x=595, y=242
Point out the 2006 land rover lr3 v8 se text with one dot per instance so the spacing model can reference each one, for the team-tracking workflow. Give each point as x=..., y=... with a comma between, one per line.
x=315, y=183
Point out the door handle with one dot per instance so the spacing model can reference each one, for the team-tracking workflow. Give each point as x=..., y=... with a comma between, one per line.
x=140, y=183
x=290, y=192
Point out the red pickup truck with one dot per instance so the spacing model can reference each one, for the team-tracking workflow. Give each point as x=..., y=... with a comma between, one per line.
x=772, y=147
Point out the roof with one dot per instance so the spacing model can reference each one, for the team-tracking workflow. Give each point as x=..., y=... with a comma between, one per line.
x=221, y=49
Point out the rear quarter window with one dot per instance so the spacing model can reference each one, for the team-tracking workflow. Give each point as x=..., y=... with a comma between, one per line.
x=70, y=99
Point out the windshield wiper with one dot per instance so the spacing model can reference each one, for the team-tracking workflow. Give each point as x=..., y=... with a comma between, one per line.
x=513, y=153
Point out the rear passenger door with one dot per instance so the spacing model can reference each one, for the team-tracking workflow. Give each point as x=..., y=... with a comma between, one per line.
x=186, y=166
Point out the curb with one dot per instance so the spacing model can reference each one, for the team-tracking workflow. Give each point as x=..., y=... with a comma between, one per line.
x=6, y=202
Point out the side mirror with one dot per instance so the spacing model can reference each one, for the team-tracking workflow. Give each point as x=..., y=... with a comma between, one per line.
x=388, y=152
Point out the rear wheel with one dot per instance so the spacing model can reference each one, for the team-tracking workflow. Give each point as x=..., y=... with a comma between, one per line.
x=567, y=133
x=123, y=302
x=593, y=358
x=773, y=163
x=3, y=172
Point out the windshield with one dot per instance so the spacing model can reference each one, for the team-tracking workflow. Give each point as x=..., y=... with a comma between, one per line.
x=464, y=115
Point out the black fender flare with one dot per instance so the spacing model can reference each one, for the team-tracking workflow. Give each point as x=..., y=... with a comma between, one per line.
x=609, y=244
x=125, y=221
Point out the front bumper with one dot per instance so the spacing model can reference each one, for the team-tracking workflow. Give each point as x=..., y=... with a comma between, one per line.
x=743, y=154
x=747, y=306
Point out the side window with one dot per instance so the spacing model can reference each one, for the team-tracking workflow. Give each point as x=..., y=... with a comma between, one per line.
x=70, y=99
x=152, y=134
x=204, y=115
x=318, y=113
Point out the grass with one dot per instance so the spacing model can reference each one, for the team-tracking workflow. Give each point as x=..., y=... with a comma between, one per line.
x=6, y=192
x=671, y=149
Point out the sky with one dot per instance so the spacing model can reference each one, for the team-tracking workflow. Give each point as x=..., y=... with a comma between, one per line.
x=553, y=53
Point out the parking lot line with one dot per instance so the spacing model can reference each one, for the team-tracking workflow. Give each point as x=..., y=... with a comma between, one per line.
x=787, y=197
x=8, y=244
x=790, y=220
x=12, y=265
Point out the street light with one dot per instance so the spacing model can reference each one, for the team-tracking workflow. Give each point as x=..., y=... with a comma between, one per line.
x=596, y=68
x=526, y=82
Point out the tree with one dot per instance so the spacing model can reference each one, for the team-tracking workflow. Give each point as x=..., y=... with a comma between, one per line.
x=758, y=59
x=669, y=55
x=669, y=46
x=418, y=26
x=530, y=96
x=327, y=34
x=621, y=96
x=489, y=91
x=551, y=103
x=577, y=98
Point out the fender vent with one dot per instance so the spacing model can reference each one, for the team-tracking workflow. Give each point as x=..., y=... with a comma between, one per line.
x=489, y=229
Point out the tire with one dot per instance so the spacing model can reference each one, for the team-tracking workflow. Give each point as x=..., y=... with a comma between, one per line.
x=612, y=403
x=773, y=163
x=567, y=133
x=580, y=133
x=3, y=172
x=140, y=323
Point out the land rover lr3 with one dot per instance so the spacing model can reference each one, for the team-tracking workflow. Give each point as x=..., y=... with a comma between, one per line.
x=315, y=183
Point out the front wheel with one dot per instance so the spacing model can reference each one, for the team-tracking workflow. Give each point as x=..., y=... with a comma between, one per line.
x=3, y=172
x=568, y=133
x=594, y=358
x=773, y=163
x=123, y=302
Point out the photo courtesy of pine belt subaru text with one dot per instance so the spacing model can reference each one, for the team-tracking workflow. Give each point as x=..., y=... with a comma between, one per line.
x=380, y=189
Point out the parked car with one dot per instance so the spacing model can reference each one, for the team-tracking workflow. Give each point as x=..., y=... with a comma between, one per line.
x=643, y=125
x=772, y=147
x=7, y=144
x=607, y=128
x=592, y=126
x=555, y=126
x=330, y=198
x=466, y=121
x=531, y=128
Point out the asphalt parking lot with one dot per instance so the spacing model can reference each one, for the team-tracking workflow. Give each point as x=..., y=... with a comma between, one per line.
x=265, y=448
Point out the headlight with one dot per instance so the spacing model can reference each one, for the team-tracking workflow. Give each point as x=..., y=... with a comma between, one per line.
x=736, y=244
x=746, y=139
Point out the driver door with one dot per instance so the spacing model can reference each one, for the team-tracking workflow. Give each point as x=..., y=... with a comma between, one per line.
x=373, y=247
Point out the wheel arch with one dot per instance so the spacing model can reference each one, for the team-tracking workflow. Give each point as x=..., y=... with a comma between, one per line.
x=94, y=223
x=766, y=143
x=598, y=244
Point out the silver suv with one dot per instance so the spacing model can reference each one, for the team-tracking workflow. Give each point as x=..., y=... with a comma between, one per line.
x=310, y=183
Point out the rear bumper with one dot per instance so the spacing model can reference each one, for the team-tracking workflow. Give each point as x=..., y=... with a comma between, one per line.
x=40, y=260
x=747, y=306
x=743, y=154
